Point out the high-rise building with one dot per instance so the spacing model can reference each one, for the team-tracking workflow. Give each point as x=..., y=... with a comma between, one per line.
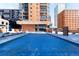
x=23, y=7
x=67, y=15
x=34, y=17
x=70, y=19
x=58, y=8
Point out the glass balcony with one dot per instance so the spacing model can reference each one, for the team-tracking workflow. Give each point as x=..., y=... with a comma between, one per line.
x=43, y=18
x=25, y=17
x=43, y=11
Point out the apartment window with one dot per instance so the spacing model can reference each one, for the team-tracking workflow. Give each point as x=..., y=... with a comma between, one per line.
x=25, y=13
x=30, y=7
x=25, y=5
x=6, y=15
x=43, y=13
x=42, y=29
x=6, y=10
x=42, y=25
x=36, y=29
x=43, y=18
x=0, y=13
x=43, y=9
x=30, y=15
x=26, y=9
x=36, y=3
x=24, y=17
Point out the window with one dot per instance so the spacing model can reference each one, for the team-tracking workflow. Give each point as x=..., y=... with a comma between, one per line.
x=36, y=3
x=30, y=7
x=24, y=17
x=43, y=18
x=26, y=9
x=25, y=5
x=43, y=25
x=43, y=13
x=0, y=13
x=6, y=10
x=6, y=15
x=30, y=15
x=42, y=29
x=36, y=29
x=25, y=13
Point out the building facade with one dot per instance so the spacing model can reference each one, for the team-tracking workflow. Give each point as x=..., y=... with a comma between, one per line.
x=34, y=17
x=67, y=15
x=12, y=14
x=70, y=19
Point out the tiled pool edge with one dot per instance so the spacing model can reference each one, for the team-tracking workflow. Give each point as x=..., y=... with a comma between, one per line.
x=66, y=39
x=10, y=38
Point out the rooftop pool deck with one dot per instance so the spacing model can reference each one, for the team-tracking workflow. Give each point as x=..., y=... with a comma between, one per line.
x=33, y=44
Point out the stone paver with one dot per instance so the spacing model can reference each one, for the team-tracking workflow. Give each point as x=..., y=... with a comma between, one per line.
x=8, y=38
x=72, y=37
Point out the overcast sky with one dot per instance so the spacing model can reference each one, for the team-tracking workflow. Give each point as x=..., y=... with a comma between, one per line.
x=9, y=5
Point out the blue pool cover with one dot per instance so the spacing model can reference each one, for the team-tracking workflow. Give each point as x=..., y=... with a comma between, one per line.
x=39, y=45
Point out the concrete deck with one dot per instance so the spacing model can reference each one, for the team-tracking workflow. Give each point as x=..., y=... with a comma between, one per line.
x=72, y=37
x=9, y=38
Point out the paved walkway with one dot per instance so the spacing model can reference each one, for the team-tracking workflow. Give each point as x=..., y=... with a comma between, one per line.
x=72, y=37
x=8, y=38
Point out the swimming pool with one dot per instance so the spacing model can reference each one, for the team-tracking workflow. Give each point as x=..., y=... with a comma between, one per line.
x=38, y=45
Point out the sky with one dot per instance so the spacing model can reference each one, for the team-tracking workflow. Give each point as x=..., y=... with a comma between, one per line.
x=9, y=5
x=51, y=8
